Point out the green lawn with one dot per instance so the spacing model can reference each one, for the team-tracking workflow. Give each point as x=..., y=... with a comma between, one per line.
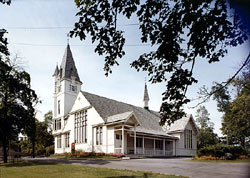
x=47, y=170
x=84, y=157
x=223, y=161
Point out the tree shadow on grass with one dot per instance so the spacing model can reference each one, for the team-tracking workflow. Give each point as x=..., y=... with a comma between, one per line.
x=25, y=163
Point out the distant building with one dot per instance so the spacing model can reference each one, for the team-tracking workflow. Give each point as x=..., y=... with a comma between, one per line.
x=99, y=124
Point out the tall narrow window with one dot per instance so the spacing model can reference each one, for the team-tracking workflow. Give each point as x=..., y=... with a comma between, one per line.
x=99, y=136
x=57, y=124
x=188, y=140
x=81, y=127
x=59, y=141
x=58, y=109
x=67, y=140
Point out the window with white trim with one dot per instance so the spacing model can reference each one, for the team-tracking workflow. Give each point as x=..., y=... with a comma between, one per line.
x=188, y=139
x=73, y=88
x=59, y=141
x=58, y=107
x=81, y=127
x=67, y=140
x=99, y=136
x=57, y=124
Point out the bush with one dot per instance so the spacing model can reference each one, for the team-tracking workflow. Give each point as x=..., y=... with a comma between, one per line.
x=50, y=150
x=226, y=151
x=118, y=155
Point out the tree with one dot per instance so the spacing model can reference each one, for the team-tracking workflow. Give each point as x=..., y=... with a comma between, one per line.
x=16, y=102
x=41, y=139
x=16, y=97
x=207, y=136
x=236, y=111
x=48, y=119
x=181, y=31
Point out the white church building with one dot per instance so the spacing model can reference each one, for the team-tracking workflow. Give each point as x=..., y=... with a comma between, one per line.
x=93, y=123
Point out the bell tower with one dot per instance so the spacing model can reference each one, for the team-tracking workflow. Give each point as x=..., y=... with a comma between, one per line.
x=67, y=85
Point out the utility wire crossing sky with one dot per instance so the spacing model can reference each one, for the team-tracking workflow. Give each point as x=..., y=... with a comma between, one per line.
x=37, y=33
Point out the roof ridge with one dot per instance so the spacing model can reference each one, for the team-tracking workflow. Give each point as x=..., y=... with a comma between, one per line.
x=120, y=102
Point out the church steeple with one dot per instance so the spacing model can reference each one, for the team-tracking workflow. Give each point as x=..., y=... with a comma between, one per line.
x=146, y=97
x=68, y=69
x=67, y=85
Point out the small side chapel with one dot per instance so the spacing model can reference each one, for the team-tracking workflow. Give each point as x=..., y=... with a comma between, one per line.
x=93, y=123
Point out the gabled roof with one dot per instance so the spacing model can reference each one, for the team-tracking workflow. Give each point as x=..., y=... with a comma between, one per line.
x=180, y=125
x=110, y=109
x=120, y=117
x=68, y=68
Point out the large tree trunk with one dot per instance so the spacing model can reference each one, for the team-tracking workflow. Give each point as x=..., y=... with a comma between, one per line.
x=33, y=148
x=5, y=155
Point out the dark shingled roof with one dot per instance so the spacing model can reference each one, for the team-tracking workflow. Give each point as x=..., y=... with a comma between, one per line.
x=56, y=71
x=68, y=68
x=149, y=120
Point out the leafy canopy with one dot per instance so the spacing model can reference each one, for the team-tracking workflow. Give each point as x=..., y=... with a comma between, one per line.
x=207, y=135
x=181, y=31
x=236, y=122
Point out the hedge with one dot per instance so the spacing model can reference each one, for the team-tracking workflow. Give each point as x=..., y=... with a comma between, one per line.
x=221, y=150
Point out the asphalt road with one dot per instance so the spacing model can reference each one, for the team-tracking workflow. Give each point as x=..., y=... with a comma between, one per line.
x=176, y=166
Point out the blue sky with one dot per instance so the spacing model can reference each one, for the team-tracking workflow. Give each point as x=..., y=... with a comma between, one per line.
x=41, y=49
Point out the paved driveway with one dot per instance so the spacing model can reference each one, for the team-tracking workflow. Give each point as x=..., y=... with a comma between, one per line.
x=176, y=166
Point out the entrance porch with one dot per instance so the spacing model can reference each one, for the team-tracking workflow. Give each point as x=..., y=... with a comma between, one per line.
x=128, y=141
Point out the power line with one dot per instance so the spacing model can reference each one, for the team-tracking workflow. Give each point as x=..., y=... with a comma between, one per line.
x=59, y=27
x=33, y=44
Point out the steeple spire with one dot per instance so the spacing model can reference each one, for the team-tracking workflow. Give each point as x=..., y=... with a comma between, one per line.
x=68, y=68
x=56, y=71
x=146, y=97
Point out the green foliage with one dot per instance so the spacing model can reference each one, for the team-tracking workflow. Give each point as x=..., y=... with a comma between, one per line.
x=48, y=119
x=181, y=32
x=16, y=104
x=202, y=118
x=207, y=135
x=50, y=150
x=221, y=150
x=5, y=1
x=236, y=122
x=43, y=141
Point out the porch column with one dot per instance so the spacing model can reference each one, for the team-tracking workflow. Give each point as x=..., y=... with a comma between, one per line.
x=142, y=144
x=92, y=139
x=63, y=142
x=106, y=139
x=134, y=140
x=164, y=146
x=154, y=146
x=123, y=139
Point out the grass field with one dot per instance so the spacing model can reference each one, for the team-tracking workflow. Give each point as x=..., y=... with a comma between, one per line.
x=47, y=170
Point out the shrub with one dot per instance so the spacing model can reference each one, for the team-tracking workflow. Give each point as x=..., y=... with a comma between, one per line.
x=50, y=150
x=118, y=155
x=100, y=154
x=226, y=151
x=243, y=156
